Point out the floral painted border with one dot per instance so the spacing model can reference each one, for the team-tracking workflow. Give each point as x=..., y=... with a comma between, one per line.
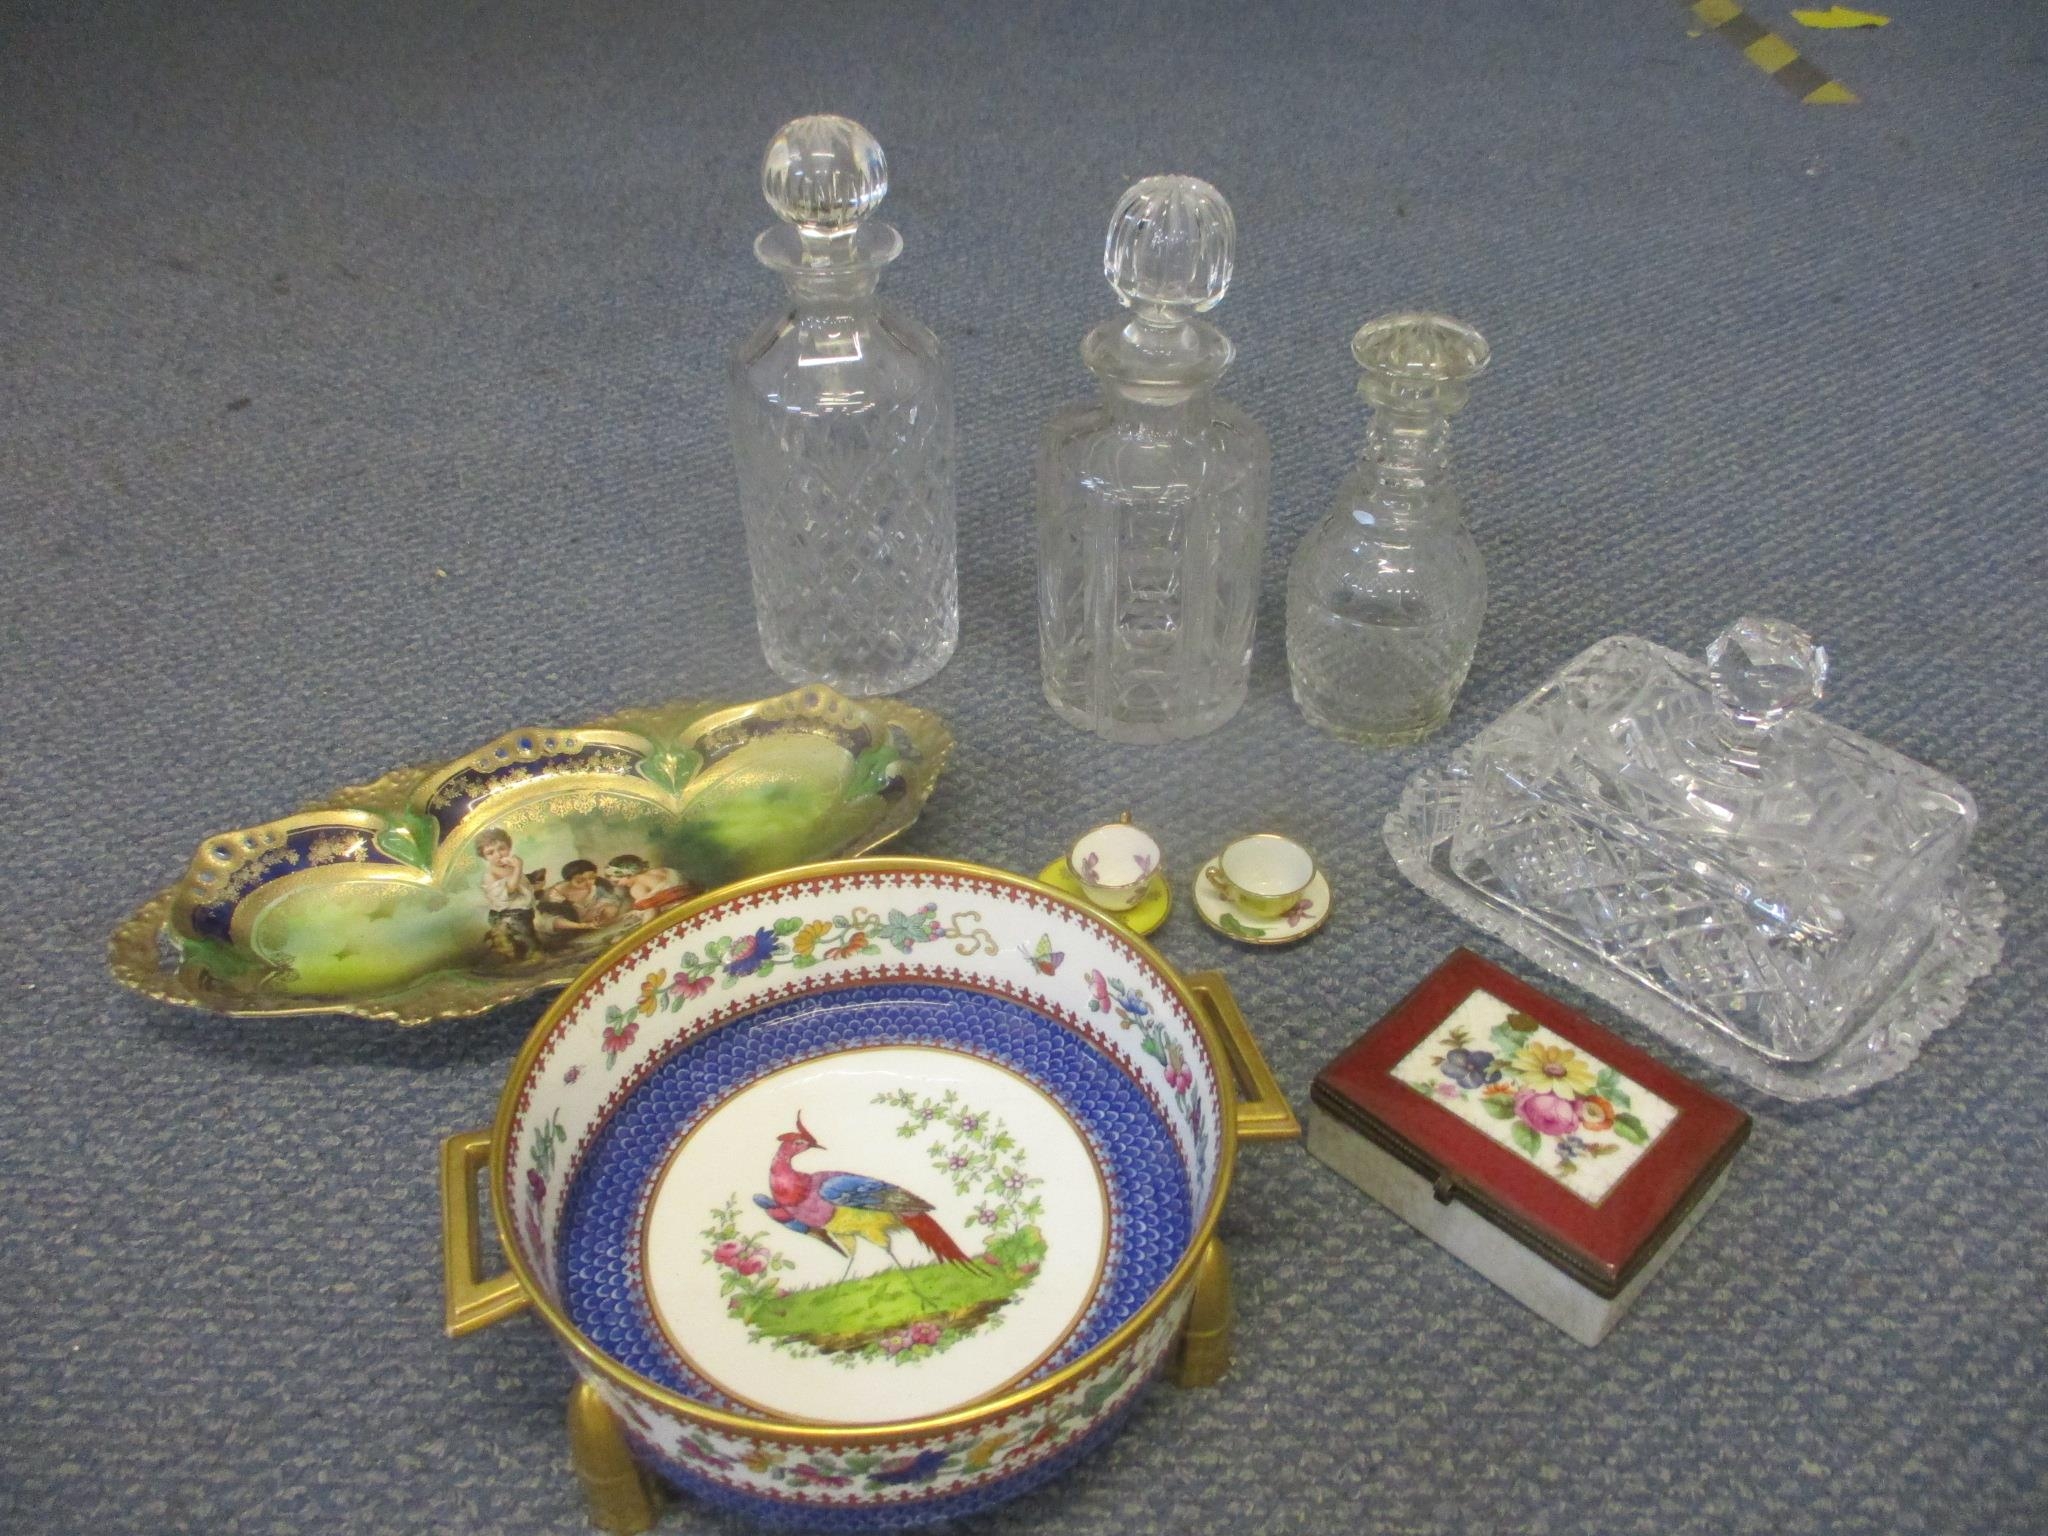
x=867, y=945
x=1167, y=1059
x=787, y=943
x=1526, y=1087
x=902, y=1471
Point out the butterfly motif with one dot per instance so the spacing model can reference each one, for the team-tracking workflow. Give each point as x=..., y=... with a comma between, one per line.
x=1045, y=959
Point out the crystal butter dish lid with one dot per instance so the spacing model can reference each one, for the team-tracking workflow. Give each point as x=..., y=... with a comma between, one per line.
x=1698, y=846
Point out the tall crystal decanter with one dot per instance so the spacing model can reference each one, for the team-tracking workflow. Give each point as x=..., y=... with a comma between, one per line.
x=1385, y=595
x=1152, y=500
x=842, y=429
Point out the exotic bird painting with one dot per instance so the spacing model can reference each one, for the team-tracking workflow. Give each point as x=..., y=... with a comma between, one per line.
x=916, y=1299
x=841, y=1209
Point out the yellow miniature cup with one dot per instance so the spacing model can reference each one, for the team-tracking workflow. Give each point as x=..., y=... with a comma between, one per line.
x=1265, y=874
x=1115, y=863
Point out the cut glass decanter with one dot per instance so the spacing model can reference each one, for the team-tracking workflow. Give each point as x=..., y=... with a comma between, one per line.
x=1152, y=501
x=842, y=430
x=1697, y=845
x=1385, y=595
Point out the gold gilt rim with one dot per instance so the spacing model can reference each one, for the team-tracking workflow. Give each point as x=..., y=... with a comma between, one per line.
x=133, y=948
x=1010, y=1403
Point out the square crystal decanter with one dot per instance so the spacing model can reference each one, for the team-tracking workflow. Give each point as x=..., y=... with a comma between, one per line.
x=1781, y=895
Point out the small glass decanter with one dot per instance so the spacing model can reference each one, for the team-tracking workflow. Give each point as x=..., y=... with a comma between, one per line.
x=842, y=429
x=1385, y=595
x=1152, y=501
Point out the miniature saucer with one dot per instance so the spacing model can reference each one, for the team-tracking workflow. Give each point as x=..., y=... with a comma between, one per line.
x=1224, y=915
x=1142, y=919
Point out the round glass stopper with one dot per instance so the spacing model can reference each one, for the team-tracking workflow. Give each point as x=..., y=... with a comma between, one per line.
x=824, y=174
x=1169, y=246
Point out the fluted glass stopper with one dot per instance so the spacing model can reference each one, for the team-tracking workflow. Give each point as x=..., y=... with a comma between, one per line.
x=824, y=174
x=1417, y=362
x=1168, y=257
x=1765, y=669
x=1169, y=247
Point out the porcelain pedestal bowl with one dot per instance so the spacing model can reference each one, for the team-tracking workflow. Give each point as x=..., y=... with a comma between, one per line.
x=864, y=1195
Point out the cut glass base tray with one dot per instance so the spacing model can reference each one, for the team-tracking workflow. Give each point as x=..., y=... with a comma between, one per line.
x=1965, y=945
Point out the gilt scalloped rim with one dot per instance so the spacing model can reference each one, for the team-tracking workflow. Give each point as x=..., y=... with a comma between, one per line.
x=411, y=836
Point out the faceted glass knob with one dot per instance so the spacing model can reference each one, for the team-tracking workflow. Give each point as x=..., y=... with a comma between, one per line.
x=1418, y=361
x=824, y=174
x=1169, y=246
x=1764, y=669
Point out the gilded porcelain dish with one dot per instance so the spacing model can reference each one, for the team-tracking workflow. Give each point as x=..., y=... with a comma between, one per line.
x=866, y=1194
x=435, y=893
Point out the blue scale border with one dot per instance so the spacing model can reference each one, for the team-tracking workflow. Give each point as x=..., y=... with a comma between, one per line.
x=1150, y=1216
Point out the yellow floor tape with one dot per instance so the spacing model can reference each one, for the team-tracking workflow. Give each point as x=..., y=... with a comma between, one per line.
x=1771, y=53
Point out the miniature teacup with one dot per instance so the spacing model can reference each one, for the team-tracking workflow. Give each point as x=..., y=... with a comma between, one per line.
x=1264, y=875
x=1114, y=862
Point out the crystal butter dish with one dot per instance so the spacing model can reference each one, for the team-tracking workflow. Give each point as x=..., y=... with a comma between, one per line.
x=435, y=893
x=1777, y=894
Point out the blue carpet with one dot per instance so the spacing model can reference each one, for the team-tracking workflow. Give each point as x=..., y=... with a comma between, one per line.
x=361, y=378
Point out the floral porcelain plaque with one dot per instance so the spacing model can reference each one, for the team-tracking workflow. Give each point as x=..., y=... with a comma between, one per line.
x=1526, y=1087
x=1566, y=1140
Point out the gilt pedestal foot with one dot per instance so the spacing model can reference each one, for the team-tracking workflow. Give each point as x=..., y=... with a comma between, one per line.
x=621, y=1497
x=1203, y=1355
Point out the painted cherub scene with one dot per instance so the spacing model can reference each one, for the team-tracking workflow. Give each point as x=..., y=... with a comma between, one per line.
x=877, y=1275
x=530, y=915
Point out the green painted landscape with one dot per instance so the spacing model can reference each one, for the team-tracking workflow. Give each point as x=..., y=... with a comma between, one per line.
x=776, y=802
x=923, y=1308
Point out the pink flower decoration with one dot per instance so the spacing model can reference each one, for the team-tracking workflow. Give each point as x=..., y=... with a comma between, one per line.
x=683, y=986
x=1098, y=986
x=1550, y=1113
x=925, y=1333
x=749, y=1266
x=1179, y=1079
x=728, y=1254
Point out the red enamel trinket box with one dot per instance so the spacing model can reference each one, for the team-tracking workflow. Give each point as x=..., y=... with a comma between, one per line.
x=1553, y=1157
